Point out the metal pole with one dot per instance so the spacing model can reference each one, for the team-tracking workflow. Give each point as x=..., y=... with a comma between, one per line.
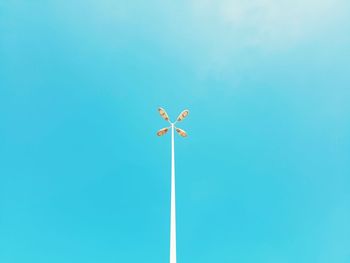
x=173, y=203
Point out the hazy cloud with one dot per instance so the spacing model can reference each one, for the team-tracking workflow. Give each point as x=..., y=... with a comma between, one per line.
x=267, y=22
x=215, y=32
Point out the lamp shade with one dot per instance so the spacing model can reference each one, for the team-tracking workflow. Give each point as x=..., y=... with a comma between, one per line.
x=163, y=113
x=183, y=115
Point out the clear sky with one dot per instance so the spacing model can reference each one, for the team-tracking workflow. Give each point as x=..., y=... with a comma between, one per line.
x=263, y=176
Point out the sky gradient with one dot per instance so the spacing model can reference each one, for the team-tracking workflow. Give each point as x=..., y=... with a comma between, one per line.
x=263, y=176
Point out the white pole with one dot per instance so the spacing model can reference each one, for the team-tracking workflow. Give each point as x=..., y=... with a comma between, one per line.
x=173, y=205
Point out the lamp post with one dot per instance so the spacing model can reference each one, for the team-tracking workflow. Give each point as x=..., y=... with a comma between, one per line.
x=182, y=133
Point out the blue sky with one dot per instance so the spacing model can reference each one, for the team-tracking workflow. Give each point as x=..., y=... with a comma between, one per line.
x=262, y=177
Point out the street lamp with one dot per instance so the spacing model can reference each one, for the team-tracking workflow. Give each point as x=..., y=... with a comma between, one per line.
x=182, y=133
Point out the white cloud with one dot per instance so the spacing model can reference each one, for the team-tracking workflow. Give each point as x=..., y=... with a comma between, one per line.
x=215, y=33
x=266, y=22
